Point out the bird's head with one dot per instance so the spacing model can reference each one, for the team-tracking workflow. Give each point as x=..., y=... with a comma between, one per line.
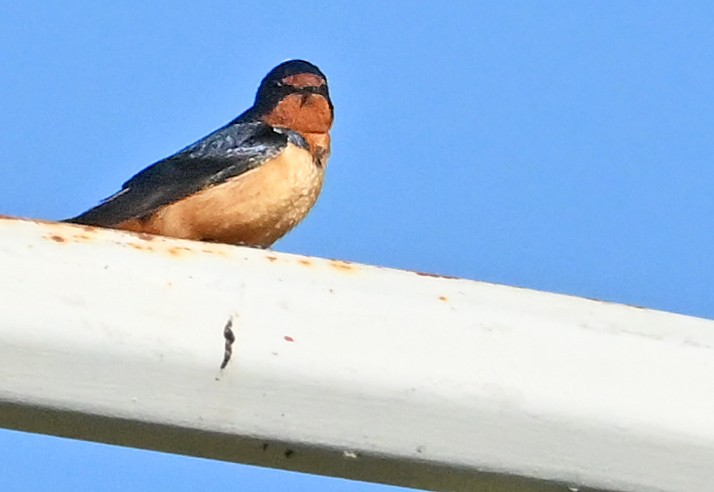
x=294, y=95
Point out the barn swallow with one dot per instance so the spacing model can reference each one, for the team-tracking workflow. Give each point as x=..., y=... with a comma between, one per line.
x=249, y=182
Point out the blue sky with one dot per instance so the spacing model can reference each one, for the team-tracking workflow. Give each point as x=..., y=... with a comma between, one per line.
x=561, y=146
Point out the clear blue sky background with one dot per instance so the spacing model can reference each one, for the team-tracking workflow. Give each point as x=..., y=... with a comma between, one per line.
x=562, y=146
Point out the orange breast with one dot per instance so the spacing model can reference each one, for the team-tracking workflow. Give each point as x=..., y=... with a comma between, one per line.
x=256, y=208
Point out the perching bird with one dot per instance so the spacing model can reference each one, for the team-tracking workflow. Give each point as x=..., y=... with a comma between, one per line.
x=249, y=182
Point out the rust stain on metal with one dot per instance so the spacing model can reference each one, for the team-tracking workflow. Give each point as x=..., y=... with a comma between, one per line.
x=140, y=246
x=65, y=233
x=179, y=250
x=344, y=266
x=443, y=298
x=145, y=236
x=76, y=238
x=304, y=262
x=436, y=275
x=271, y=258
x=218, y=252
x=86, y=228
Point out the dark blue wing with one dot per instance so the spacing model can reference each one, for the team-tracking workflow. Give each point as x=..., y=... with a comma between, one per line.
x=228, y=152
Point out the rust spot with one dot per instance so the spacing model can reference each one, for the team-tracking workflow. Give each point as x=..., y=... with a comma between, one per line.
x=443, y=298
x=78, y=237
x=214, y=252
x=145, y=236
x=288, y=338
x=85, y=227
x=271, y=258
x=178, y=250
x=345, y=266
x=305, y=262
x=139, y=246
x=436, y=275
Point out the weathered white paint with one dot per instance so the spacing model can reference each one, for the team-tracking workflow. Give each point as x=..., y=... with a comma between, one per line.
x=346, y=369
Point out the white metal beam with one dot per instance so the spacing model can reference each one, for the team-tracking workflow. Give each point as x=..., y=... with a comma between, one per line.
x=344, y=369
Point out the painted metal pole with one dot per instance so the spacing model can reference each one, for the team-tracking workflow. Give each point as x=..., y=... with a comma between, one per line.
x=342, y=369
